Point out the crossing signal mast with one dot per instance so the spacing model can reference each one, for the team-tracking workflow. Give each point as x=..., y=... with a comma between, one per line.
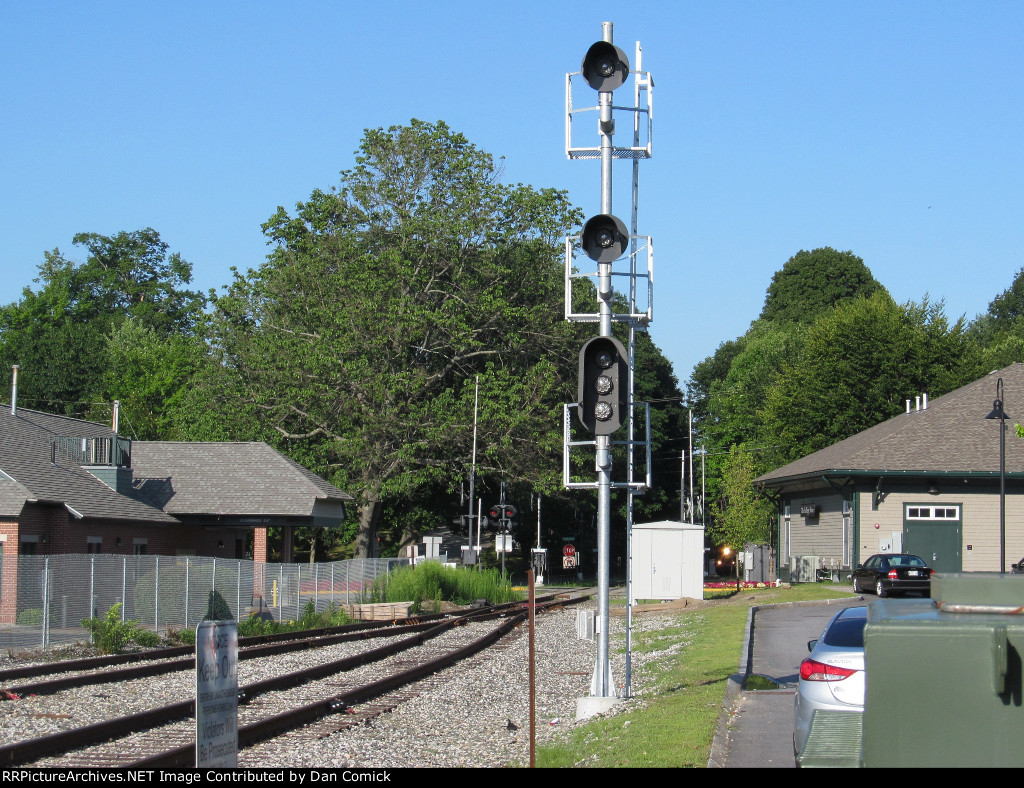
x=606, y=402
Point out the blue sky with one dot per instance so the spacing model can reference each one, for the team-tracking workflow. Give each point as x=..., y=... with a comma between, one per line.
x=893, y=130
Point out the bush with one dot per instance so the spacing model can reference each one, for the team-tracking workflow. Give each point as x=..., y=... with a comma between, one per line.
x=111, y=635
x=32, y=617
x=218, y=609
x=172, y=591
x=256, y=625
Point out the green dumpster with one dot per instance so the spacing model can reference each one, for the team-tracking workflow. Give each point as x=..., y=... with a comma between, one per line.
x=944, y=675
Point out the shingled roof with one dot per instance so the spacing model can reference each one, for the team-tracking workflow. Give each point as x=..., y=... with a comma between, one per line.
x=170, y=479
x=951, y=437
x=31, y=471
x=227, y=479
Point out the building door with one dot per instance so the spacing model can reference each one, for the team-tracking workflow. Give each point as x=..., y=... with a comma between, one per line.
x=935, y=534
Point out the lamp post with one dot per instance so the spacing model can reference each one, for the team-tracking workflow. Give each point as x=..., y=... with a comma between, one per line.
x=1000, y=414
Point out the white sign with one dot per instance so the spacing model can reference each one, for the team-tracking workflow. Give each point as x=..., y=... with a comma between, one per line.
x=217, y=694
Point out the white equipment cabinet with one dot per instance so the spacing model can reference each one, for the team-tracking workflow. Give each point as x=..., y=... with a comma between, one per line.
x=668, y=560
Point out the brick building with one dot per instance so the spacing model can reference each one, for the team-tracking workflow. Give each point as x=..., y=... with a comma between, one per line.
x=74, y=486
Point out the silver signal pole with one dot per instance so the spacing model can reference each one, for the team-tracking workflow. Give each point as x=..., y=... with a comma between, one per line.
x=602, y=685
x=606, y=401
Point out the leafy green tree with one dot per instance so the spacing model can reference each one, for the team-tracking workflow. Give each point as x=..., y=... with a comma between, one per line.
x=857, y=367
x=358, y=341
x=999, y=332
x=742, y=512
x=59, y=333
x=812, y=282
x=151, y=376
x=1007, y=307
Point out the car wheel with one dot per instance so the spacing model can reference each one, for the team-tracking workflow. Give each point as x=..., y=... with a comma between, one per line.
x=880, y=589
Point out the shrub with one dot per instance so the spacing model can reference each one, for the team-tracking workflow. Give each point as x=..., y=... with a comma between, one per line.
x=31, y=617
x=171, y=583
x=256, y=625
x=111, y=635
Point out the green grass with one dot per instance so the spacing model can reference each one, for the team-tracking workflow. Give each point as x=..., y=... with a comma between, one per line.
x=429, y=583
x=682, y=692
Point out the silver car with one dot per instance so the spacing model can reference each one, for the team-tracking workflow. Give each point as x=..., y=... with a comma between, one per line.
x=832, y=676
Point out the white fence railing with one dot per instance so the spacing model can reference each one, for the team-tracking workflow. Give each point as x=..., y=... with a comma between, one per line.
x=162, y=592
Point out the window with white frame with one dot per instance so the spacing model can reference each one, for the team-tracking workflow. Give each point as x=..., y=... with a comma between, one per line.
x=933, y=512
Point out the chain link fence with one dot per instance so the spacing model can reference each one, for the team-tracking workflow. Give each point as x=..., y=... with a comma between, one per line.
x=176, y=592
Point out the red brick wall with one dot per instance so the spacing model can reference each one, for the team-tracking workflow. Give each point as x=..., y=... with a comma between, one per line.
x=9, y=573
x=259, y=545
x=61, y=533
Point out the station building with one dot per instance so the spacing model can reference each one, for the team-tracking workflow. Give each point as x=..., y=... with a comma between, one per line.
x=74, y=486
x=925, y=482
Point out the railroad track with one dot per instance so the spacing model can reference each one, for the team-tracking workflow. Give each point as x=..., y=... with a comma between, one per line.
x=165, y=736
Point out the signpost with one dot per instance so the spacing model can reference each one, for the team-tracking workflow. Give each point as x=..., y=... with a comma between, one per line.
x=217, y=694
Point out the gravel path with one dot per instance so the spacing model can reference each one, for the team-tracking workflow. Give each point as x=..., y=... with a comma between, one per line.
x=475, y=714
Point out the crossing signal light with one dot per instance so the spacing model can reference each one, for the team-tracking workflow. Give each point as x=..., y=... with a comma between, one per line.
x=603, y=383
x=604, y=238
x=500, y=512
x=605, y=66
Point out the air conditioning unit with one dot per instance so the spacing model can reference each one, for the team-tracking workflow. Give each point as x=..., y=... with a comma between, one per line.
x=802, y=568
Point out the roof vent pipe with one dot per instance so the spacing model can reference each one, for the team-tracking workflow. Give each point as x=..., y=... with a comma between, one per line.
x=14, y=390
x=917, y=402
x=924, y=404
x=908, y=406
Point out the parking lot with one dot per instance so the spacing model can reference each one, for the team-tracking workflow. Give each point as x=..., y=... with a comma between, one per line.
x=757, y=729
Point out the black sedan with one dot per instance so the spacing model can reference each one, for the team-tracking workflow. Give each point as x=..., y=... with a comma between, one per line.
x=892, y=573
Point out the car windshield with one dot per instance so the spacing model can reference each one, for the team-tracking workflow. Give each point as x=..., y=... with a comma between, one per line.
x=847, y=631
x=906, y=560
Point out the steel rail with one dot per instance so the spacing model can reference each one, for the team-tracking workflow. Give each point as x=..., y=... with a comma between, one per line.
x=256, y=732
x=265, y=646
x=29, y=750
x=92, y=663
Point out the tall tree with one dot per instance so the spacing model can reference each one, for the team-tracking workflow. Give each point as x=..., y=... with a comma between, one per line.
x=858, y=365
x=812, y=282
x=359, y=340
x=58, y=333
x=742, y=513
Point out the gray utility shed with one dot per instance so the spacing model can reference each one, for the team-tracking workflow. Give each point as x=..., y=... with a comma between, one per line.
x=667, y=560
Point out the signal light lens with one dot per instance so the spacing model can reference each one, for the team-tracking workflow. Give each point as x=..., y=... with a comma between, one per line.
x=604, y=385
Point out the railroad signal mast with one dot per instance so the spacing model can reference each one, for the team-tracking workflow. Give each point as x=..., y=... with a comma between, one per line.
x=606, y=367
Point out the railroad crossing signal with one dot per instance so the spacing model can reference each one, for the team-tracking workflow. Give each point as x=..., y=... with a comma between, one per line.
x=502, y=513
x=603, y=385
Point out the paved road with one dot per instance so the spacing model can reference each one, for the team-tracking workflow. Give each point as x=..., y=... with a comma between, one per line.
x=757, y=728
